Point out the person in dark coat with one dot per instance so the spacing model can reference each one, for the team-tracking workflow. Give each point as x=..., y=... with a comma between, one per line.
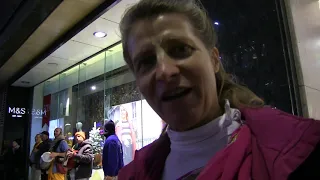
x=35, y=172
x=43, y=147
x=112, y=152
x=16, y=161
x=82, y=154
x=5, y=158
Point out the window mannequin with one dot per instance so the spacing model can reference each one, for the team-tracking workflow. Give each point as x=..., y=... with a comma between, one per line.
x=79, y=126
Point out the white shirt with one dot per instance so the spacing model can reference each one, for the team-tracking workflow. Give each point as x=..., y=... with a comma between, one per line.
x=191, y=150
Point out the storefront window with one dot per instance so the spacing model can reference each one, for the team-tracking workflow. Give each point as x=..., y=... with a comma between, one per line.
x=99, y=89
x=88, y=97
x=68, y=109
x=102, y=88
x=36, y=113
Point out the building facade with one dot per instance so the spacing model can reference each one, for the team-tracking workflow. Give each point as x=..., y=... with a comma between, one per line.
x=263, y=45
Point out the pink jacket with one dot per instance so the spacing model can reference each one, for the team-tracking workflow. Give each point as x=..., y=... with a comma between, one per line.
x=271, y=145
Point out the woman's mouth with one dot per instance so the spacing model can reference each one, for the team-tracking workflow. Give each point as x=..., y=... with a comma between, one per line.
x=175, y=94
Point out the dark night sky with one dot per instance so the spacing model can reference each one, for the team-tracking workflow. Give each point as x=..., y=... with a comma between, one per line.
x=251, y=47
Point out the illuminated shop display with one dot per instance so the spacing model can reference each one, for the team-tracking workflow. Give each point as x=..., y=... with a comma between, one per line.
x=84, y=97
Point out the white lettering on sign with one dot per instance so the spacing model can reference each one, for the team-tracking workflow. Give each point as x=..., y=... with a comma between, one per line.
x=38, y=112
x=17, y=112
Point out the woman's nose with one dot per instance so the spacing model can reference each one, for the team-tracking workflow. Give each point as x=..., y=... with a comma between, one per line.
x=167, y=70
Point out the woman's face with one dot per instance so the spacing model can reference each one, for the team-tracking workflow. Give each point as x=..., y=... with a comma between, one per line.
x=57, y=132
x=14, y=144
x=123, y=112
x=175, y=72
x=79, y=139
x=38, y=138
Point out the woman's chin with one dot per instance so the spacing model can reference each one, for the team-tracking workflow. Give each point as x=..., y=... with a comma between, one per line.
x=182, y=123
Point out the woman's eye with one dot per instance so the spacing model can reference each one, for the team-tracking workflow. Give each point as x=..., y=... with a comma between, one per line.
x=180, y=51
x=146, y=63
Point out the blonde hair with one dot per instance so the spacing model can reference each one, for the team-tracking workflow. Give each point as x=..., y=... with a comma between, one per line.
x=238, y=96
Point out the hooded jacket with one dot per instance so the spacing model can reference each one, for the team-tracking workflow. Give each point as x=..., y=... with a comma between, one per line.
x=112, y=158
x=84, y=159
x=271, y=145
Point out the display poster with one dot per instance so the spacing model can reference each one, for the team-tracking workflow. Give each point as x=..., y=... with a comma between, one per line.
x=46, y=108
x=137, y=125
x=56, y=123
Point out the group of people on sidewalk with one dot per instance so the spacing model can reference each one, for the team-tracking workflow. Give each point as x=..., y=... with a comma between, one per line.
x=77, y=161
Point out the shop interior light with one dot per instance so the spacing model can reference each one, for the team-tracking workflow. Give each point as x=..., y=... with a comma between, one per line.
x=100, y=34
x=93, y=88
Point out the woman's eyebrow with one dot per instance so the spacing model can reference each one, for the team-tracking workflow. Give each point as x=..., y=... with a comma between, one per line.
x=167, y=39
x=142, y=50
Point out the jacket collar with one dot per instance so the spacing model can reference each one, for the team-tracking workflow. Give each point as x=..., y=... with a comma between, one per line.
x=277, y=150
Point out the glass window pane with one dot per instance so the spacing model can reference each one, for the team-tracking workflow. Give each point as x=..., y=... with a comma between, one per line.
x=88, y=97
x=122, y=102
x=152, y=123
x=51, y=85
x=51, y=96
x=37, y=113
x=250, y=47
x=67, y=110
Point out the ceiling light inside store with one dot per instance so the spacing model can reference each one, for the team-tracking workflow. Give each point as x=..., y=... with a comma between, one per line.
x=93, y=88
x=100, y=34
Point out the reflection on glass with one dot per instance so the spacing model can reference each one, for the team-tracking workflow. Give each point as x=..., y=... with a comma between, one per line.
x=101, y=88
x=128, y=118
x=123, y=116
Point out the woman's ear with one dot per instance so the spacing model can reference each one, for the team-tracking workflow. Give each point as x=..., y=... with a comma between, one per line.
x=215, y=59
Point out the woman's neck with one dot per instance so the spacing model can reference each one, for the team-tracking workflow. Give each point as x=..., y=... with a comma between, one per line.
x=207, y=120
x=211, y=117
